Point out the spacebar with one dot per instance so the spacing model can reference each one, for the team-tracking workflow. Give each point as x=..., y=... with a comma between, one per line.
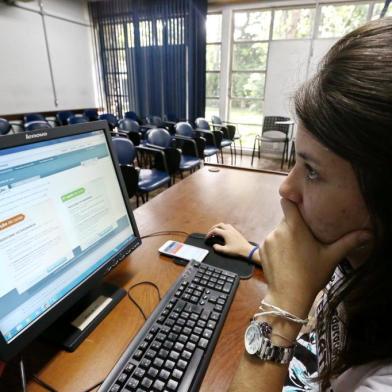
x=190, y=372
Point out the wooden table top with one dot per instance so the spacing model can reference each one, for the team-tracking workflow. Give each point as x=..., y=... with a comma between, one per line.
x=248, y=200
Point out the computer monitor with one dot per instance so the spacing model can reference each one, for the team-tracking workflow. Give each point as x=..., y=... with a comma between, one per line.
x=65, y=221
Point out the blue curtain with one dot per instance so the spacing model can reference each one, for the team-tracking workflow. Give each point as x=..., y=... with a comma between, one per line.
x=152, y=55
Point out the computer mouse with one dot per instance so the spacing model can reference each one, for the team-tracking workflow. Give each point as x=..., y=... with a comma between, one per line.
x=214, y=239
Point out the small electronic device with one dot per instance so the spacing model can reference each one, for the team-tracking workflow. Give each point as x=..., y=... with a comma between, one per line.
x=214, y=239
x=183, y=251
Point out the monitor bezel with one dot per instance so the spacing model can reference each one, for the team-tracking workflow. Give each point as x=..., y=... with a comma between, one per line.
x=9, y=350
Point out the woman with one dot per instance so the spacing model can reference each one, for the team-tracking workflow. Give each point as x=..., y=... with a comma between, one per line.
x=336, y=228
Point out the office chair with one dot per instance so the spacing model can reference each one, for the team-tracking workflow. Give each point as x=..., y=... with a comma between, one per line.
x=33, y=117
x=133, y=116
x=149, y=179
x=77, y=119
x=110, y=118
x=204, y=149
x=131, y=128
x=91, y=114
x=213, y=138
x=62, y=117
x=276, y=129
x=161, y=138
x=232, y=132
x=34, y=125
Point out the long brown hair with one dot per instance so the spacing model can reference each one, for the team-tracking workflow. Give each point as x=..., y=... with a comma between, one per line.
x=347, y=106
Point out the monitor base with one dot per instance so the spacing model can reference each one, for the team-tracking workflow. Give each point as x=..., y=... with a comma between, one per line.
x=77, y=323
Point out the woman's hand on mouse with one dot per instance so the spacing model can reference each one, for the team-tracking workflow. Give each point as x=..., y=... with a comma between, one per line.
x=296, y=265
x=235, y=243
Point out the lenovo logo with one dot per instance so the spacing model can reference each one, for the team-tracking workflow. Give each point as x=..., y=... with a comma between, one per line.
x=35, y=135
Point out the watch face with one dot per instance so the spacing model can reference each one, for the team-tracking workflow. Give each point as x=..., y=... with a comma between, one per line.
x=252, y=339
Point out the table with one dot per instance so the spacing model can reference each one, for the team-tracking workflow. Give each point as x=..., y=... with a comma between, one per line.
x=248, y=199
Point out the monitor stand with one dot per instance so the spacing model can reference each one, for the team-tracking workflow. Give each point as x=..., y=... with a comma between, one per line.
x=78, y=322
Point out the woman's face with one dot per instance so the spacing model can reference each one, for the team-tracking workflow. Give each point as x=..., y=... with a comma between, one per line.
x=325, y=189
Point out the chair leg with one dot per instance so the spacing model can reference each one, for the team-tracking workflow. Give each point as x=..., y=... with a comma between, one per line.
x=283, y=156
x=253, y=151
x=137, y=201
x=221, y=151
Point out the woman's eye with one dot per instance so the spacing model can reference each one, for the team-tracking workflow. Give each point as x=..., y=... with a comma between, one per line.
x=311, y=174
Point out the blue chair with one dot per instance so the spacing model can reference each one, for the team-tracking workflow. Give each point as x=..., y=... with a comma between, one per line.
x=212, y=139
x=91, y=114
x=131, y=129
x=230, y=132
x=35, y=125
x=161, y=138
x=189, y=157
x=63, y=116
x=33, y=117
x=77, y=119
x=110, y=118
x=192, y=144
x=220, y=140
x=149, y=179
x=132, y=116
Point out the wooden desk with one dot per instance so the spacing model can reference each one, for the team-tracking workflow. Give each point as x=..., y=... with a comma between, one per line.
x=247, y=199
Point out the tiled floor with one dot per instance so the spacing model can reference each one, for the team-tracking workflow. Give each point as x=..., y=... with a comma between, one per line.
x=244, y=162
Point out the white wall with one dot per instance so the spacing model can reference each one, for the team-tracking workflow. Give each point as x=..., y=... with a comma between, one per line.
x=25, y=77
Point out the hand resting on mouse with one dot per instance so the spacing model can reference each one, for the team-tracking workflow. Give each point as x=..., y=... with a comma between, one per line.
x=235, y=244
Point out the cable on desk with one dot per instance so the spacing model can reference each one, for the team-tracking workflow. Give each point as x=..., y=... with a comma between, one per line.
x=94, y=386
x=135, y=303
x=43, y=384
x=164, y=232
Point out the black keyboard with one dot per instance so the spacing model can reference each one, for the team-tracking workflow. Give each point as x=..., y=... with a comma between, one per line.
x=172, y=350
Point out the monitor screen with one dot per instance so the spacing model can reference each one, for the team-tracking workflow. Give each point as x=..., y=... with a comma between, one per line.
x=63, y=217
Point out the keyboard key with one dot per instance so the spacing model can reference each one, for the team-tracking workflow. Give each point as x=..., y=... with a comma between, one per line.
x=186, y=355
x=174, y=355
x=158, y=362
x=182, y=364
x=203, y=343
x=158, y=385
x=152, y=372
x=207, y=333
x=115, y=388
x=139, y=373
x=147, y=382
x=172, y=385
x=164, y=374
x=177, y=374
x=132, y=383
x=169, y=364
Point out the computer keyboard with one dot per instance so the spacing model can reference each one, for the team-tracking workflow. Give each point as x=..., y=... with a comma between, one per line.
x=172, y=350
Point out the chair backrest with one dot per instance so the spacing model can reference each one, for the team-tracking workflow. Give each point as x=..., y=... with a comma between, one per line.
x=184, y=129
x=269, y=124
x=77, y=119
x=202, y=123
x=33, y=125
x=126, y=124
x=33, y=117
x=5, y=126
x=62, y=117
x=132, y=115
x=216, y=120
x=125, y=150
x=159, y=137
x=91, y=114
x=110, y=118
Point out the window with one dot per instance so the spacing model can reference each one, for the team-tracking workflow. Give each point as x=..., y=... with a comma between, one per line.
x=248, y=66
x=213, y=64
x=378, y=7
x=293, y=23
x=337, y=20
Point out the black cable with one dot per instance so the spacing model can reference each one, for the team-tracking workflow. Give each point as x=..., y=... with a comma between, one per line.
x=94, y=386
x=135, y=303
x=43, y=384
x=165, y=232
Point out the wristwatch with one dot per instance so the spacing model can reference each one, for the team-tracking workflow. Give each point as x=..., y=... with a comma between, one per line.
x=258, y=342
